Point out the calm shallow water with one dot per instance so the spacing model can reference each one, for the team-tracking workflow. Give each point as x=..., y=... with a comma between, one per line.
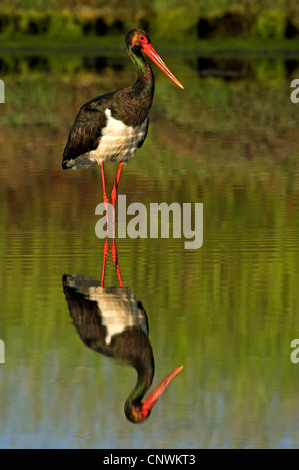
x=227, y=311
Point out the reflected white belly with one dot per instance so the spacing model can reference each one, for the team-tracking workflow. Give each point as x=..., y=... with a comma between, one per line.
x=119, y=310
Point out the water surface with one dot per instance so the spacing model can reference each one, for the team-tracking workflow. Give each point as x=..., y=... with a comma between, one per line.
x=227, y=311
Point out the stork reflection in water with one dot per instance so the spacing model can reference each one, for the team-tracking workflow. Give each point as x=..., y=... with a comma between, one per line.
x=112, y=322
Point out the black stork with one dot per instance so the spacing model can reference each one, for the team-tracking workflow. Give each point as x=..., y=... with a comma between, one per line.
x=112, y=322
x=113, y=126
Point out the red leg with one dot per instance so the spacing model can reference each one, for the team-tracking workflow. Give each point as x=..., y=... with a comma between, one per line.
x=115, y=187
x=114, y=197
x=106, y=246
x=105, y=197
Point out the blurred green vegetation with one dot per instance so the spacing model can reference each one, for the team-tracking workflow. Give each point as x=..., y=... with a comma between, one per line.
x=188, y=20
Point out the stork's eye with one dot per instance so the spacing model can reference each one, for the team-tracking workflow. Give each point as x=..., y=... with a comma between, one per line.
x=142, y=39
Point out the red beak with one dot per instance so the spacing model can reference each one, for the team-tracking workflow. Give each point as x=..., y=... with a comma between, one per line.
x=154, y=396
x=154, y=56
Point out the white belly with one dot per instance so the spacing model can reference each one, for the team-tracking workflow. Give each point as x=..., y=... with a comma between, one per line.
x=118, y=143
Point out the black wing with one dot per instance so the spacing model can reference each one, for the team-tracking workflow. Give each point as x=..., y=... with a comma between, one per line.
x=85, y=133
x=145, y=134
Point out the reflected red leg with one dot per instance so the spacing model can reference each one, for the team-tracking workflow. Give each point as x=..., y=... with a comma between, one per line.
x=105, y=253
x=115, y=260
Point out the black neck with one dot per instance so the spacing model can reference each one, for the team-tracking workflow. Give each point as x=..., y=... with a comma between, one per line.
x=145, y=82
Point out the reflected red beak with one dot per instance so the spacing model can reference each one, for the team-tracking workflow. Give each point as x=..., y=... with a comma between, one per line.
x=154, y=396
x=149, y=50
